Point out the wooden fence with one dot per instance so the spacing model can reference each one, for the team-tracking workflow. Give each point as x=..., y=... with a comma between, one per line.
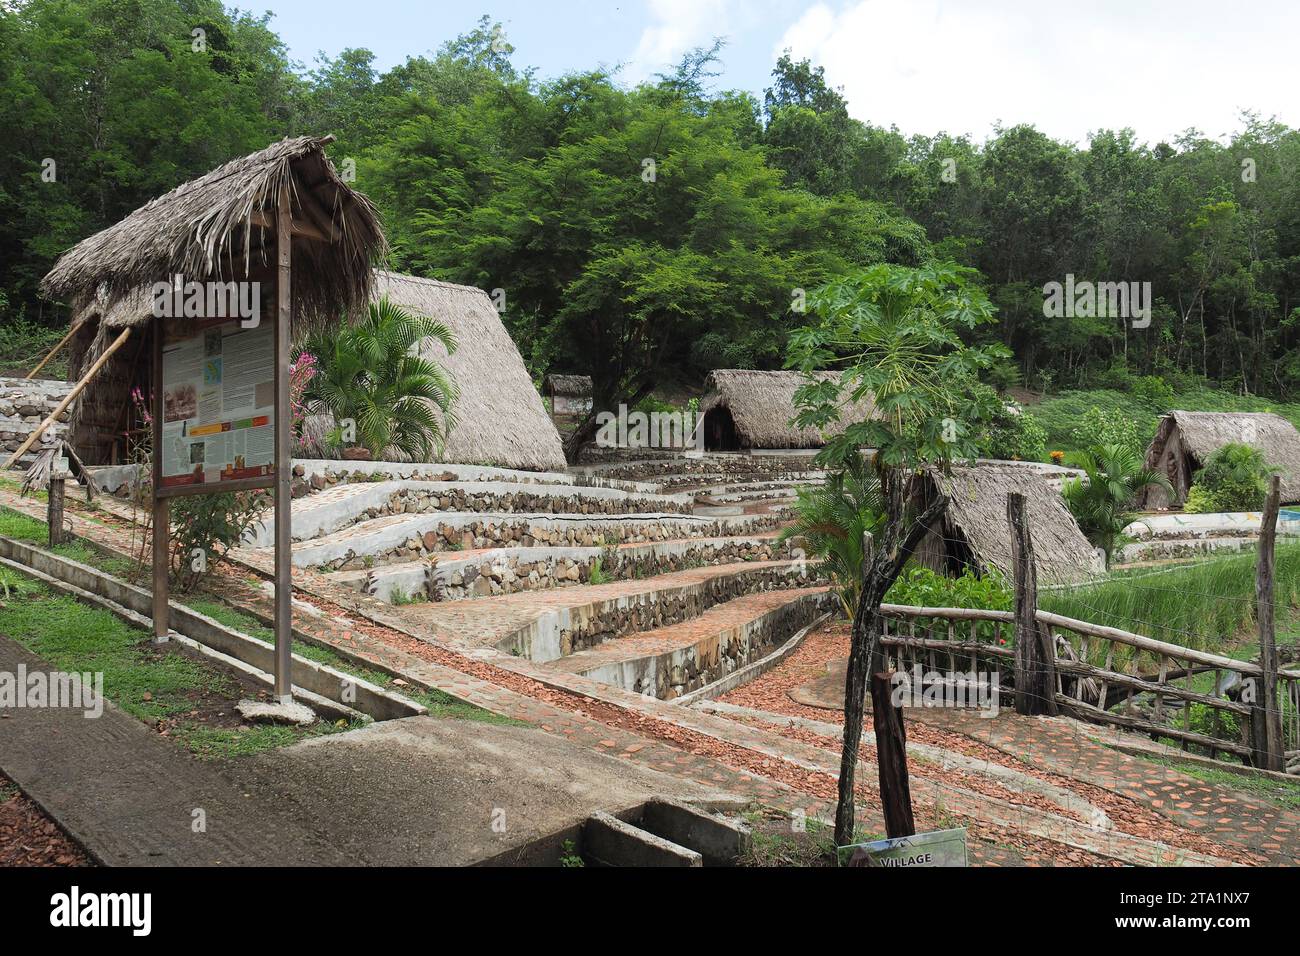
x=1098, y=673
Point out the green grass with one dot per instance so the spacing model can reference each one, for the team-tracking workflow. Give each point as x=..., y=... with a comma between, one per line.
x=145, y=681
x=439, y=703
x=1282, y=792
x=1061, y=413
x=7, y=791
x=1208, y=605
x=22, y=528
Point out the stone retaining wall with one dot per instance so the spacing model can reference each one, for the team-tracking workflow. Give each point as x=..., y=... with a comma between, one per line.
x=24, y=405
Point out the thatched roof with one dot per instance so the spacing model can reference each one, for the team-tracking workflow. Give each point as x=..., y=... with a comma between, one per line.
x=976, y=519
x=211, y=229
x=762, y=406
x=500, y=419
x=1200, y=434
x=577, y=386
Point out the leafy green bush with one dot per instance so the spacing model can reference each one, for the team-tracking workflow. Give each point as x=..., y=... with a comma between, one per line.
x=205, y=527
x=1017, y=437
x=1235, y=478
x=1200, y=502
x=918, y=586
x=1108, y=426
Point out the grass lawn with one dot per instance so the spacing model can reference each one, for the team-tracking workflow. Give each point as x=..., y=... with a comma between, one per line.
x=25, y=528
x=188, y=698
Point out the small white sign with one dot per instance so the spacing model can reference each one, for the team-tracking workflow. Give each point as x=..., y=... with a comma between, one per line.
x=937, y=848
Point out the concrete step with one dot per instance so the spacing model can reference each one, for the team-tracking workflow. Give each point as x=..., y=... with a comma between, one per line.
x=341, y=505
x=485, y=572
x=664, y=832
x=670, y=661
x=545, y=625
x=609, y=841
x=410, y=537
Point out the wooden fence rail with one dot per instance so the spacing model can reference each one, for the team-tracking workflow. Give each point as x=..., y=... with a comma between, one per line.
x=1099, y=672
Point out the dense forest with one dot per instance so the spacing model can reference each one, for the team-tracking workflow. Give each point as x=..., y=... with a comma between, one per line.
x=648, y=234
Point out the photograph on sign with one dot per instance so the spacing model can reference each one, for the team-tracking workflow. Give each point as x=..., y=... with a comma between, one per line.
x=938, y=848
x=218, y=402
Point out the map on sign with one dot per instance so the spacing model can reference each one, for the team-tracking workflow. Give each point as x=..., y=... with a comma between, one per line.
x=218, y=387
x=938, y=848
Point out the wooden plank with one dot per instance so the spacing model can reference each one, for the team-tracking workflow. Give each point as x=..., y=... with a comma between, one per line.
x=1140, y=685
x=1088, y=712
x=1034, y=654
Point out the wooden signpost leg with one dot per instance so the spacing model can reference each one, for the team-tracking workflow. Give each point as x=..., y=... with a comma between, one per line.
x=54, y=512
x=283, y=429
x=161, y=511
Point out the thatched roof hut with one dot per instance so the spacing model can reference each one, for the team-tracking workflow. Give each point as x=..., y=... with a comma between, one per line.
x=219, y=227
x=746, y=409
x=1185, y=440
x=500, y=419
x=570, y=395
x=975, y=532
x=570, y=386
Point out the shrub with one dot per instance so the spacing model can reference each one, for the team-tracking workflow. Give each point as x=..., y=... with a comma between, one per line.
x=918, y=586
x=1014, y=436
x=1200, y=501
x=1108, y=426
x=205, y=527
x=1234, y=478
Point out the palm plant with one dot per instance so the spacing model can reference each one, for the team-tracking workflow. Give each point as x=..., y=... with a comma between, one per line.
x=1114, y=475
x=832, y=518
x=369, y=374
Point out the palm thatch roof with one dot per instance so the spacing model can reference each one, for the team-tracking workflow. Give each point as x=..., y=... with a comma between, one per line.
x=577, y=386
x=500, y=419
x=218, y=228
x=975, y=532
x=1185, y=440
x=761, y=404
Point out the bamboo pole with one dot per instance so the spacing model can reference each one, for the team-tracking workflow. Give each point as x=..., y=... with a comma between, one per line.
x=68, y=399
x=55, y=351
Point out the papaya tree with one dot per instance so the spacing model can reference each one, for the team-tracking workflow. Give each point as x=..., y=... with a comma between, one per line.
x=895, y=336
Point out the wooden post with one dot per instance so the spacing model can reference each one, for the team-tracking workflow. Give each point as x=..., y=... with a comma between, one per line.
x=69, y=398
x=282, y=494
x=891, y=758
x=54, y=510
x=855, y=700
x=161, y=512
x=1266, y=715
x=1035, y=659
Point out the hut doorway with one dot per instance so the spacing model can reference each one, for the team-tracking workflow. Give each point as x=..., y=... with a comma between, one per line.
x=720, y=430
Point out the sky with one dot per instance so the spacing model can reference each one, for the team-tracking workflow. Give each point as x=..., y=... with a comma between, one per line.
x=925, y=66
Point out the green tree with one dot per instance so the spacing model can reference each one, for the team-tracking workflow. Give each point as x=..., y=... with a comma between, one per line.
x=894, y=334
x=1100, y=500
x=370, y=373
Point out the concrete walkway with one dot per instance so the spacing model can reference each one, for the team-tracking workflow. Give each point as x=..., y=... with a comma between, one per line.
x=129, y=796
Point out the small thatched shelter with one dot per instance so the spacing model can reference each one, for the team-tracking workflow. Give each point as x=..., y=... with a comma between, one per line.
x=975, y=532
x=1185, y=440
x=500, y=419
x=745, y=409
x=570, y=395
x=217, y=228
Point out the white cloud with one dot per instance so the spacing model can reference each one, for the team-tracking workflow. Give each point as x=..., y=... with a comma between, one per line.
x=676, y=27
x=930, y=65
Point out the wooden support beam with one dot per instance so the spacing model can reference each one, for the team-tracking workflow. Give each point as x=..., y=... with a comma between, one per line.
x=1266, y=723
x=68, y=399
x=297, y=227
x=1035, y=655
x=891, y=758
x=283, y=497
x=76, y=326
